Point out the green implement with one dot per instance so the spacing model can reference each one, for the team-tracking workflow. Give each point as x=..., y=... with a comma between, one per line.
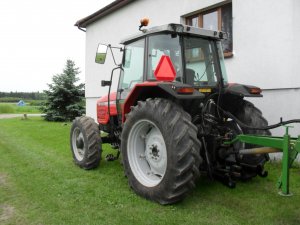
x=289, y=146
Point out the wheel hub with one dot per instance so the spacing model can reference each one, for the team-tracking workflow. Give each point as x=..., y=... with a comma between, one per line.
x=78, y=144
x=148, y=153
x=155, y=152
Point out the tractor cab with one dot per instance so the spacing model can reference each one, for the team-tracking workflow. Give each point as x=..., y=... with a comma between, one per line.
x=164, y=57
x=195, y=54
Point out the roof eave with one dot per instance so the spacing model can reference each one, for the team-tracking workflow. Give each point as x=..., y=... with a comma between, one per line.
x=115, y=5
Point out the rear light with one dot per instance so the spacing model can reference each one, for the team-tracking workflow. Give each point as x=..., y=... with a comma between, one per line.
x=255, y=91
x=205, y=90
x=185, y=90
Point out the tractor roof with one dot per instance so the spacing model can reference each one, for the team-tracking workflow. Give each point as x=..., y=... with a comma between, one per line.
x=178, y=29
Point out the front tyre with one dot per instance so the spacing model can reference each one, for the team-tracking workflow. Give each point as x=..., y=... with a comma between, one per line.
x=85, y=143
x=160, y=151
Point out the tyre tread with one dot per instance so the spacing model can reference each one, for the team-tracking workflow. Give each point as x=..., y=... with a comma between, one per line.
x=90, y=129
x=185, y=145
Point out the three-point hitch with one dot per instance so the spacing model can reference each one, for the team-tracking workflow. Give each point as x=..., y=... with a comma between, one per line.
x=289, y=146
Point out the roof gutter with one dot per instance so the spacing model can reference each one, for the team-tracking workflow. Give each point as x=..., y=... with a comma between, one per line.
x=84, y=30
x=115, y=5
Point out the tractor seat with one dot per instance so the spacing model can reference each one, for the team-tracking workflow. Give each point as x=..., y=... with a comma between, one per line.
x=190, y=76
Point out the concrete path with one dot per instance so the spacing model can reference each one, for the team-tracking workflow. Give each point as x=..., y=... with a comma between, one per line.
x=6, y=116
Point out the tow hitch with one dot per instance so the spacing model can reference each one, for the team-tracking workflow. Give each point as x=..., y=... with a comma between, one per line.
x=289, y=146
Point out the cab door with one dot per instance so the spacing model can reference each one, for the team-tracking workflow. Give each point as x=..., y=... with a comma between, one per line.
x=132, y=71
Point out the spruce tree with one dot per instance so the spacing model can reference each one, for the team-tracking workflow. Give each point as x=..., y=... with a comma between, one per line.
x=65, y=99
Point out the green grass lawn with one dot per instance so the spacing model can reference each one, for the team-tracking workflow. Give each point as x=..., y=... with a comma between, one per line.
x=12, y=108
x=39, y=184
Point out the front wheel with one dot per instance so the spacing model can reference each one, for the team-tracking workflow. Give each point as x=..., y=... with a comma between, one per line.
x=160, y=151
x=85, y=142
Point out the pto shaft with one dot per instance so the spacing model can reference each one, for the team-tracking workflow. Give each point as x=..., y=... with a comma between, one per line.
x=261, y=150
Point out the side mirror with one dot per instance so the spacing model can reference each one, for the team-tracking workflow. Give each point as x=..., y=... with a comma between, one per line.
x=101, y=54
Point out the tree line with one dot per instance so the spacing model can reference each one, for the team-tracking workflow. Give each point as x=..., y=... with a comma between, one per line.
x=63, y=101
x=23, y=95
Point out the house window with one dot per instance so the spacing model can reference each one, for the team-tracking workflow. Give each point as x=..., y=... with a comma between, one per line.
x=219, y=18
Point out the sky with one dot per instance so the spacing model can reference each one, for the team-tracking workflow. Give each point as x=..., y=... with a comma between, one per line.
x=36, y=39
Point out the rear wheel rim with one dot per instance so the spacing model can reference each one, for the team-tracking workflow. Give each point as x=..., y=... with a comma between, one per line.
x=78, y=144
x=147, y=153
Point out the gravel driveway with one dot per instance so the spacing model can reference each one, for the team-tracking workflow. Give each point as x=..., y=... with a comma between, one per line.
x=6, y=116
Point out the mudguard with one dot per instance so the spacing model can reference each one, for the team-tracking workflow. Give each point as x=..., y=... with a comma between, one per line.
x=243, y=90
x=156, y=89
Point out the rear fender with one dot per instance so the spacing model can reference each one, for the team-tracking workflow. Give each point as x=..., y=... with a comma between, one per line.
x=166, y=90
x=243, y=90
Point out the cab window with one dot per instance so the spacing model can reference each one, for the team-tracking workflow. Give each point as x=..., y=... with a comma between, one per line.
x=199, y=61
x=164, y=44
x=133, y=65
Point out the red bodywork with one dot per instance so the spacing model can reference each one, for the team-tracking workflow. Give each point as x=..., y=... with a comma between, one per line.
x=133, y=95
x=164, y=72
x=102, y=103
x=102, y=108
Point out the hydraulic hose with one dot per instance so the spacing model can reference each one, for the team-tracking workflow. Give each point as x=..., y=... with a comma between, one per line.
x=241, y=124
x=281, y=123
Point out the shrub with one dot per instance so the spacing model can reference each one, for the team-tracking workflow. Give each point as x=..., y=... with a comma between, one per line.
x=64, y=97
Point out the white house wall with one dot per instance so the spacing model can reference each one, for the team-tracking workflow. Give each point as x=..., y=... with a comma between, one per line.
x=265, y=44
x=280, y=103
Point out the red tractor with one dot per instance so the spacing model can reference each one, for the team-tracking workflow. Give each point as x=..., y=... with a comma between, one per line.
x=171, y=113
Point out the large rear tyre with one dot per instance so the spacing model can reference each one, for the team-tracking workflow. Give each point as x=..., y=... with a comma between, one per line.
x=160, y=151
x=85, y=142
x=252, y=116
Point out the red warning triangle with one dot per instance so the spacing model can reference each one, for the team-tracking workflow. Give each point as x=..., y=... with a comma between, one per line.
x=165, y=70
